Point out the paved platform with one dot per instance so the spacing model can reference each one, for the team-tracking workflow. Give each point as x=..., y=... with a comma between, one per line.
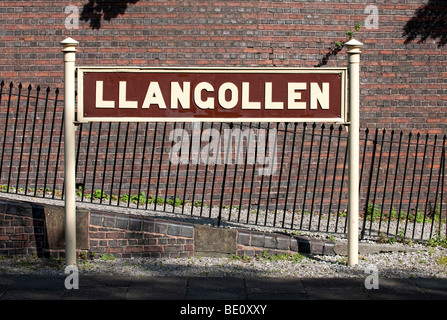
x=52, y=287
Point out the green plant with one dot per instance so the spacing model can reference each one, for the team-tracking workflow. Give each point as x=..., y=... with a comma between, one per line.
x=105, y=257
x=442, y=261
x=83, y=256
x=350, y=33
x=99, y=194
x=438, y=241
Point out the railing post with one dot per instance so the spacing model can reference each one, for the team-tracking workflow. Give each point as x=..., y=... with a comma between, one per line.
x=69, y=49
x=354, y=153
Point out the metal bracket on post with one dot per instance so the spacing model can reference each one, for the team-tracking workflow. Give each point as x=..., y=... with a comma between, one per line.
x=353, y=47
x=69, y=49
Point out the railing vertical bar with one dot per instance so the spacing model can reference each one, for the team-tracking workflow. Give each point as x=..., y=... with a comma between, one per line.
x=159, y=165
x=403, y=182
x=6, y=130
x=177, y=175
x=267, y=146
x=86, y=160
x=106, y=155
x=429, y=186
x=395, y=180
x=236, y=161
x=368, y=192
x=361, y=179
x=51, y=138
x=61, y=130
x=123, y=163
x=421, y=177
x=154, y=140
x=215, y=170
x=385, y=181
x=14, y=137
x=442, y=189
x=118, y=134
x=377, y=181
x=197, y=167
x=205, y=179
x=441, y=164
x=78, y=151
x=289, y=175
x=49, y=145
x=334, y=176
x=95, y=165
x=226, y=155
x=331, y=129
x=19, y=167
x=168, y=175
x=41, y=140
x=2, y=83
x=133, y=164
x=252, y=172
x=286, y=124
x=188, y=163
x=298, y=174
x=341, y=188
x=32, y=134
x=142, y=166
x=323, y=127
x=262, y=179
x=411, y=187
x=307, y=176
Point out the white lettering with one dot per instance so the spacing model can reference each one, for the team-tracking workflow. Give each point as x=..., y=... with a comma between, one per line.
x=228, y=86
x=100, y=103
x=197, y=310
x=227, y=96
x=246, y=103
x=123, y=103
x=319, y=96
x=203, y=104
x=154, y=96
x=269, y=104
x=293, y=96
x=180, y=95
x=245, y=309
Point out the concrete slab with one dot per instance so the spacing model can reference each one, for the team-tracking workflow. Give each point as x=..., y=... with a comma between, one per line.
x=214, y=242
x=215, y=288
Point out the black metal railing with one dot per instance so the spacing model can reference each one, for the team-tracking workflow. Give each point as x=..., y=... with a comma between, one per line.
x=285, y=175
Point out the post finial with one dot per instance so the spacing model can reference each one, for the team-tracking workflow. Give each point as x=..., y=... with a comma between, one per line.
x=69, y=44
x=353, y=46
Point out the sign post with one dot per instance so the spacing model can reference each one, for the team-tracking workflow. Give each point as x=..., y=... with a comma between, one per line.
x=354, y=154
x=212, y=94
x=69, y=49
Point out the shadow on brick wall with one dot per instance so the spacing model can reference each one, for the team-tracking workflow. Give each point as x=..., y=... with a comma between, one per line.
x=429, y=21
x=96, y=10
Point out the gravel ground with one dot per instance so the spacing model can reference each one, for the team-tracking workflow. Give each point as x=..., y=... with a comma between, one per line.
x=426, y=262
x=423, y=262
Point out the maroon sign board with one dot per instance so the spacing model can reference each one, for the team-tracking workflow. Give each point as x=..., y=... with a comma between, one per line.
x=212, y=94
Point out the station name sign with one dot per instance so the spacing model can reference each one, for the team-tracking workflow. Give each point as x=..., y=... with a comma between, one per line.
x=211, y=94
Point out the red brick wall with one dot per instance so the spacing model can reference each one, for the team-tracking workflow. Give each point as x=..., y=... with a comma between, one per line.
x=403, y=84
